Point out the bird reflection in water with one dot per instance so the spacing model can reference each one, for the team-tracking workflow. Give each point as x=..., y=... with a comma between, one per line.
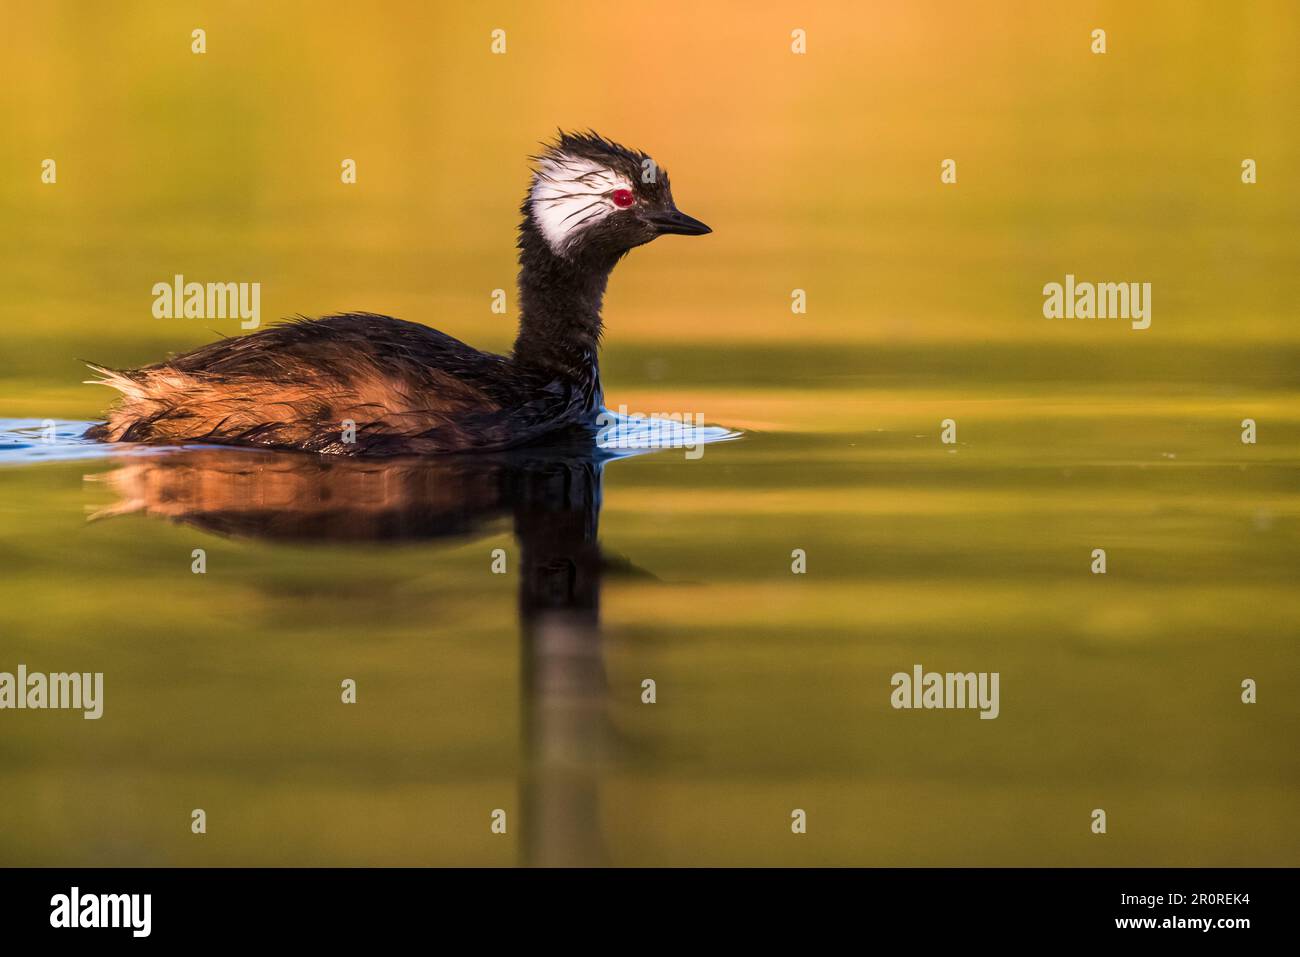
x=554, y=501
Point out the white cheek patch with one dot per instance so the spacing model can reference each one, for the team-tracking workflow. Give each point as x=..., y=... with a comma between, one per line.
x=569, y=194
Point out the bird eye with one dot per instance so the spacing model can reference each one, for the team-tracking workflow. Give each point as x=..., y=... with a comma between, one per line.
x=622, y=198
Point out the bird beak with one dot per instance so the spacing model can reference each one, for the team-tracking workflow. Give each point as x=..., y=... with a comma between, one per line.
x=675, y=222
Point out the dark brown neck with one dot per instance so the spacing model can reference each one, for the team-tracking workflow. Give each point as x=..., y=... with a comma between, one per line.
x=559, y=301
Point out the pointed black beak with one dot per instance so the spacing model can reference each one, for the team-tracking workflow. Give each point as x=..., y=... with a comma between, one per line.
x=677, y=223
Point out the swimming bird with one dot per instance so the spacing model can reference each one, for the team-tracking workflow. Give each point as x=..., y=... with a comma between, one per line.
x=366, y=384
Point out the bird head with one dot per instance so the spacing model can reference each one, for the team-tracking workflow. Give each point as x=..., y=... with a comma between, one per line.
x=591, y=197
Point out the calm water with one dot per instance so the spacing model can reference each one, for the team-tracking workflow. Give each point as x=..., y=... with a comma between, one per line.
x=522, y=691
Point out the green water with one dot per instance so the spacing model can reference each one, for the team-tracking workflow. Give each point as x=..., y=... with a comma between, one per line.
x=522, y=691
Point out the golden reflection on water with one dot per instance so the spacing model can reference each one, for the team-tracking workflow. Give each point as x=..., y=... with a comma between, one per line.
x=818, y=173
x=553, y=501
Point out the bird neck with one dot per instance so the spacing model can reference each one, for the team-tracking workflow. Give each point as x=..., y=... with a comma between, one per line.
x=559, y=302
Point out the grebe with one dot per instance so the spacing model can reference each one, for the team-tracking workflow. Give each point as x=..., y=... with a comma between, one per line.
x=409, y=389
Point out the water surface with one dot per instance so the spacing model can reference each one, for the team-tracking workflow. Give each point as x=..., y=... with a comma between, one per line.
x=522, y=691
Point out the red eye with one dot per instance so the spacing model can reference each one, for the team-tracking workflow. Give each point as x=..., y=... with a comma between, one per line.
x=622, y=198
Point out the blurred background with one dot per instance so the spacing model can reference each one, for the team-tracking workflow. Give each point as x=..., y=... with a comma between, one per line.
x=817, y=172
